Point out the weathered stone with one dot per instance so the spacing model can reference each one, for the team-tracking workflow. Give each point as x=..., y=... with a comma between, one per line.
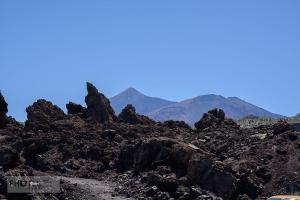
x=176, y=124
x=210, y=176
x=42, y=114
x=3, y=111
x=8, y=157
x=128, y=115
x=151, y=191
x=148, y=151
x=162, y=196
x=211, y=118
x=165, y=184
x=76, y=109
x=98, y=106
x=282, y=126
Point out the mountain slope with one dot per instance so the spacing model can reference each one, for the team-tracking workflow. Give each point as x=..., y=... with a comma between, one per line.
x=142, y=103
x=190, y=110
x=294, y=119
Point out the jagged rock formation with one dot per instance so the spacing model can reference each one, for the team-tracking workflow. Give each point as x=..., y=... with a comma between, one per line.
x=76, y=109
x=154, y=161
x=42, y=114
x=98, y=106
x=215, y=117
x=3, y=111
x=128, y=115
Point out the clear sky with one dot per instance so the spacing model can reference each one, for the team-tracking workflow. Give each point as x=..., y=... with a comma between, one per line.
x=171, y=49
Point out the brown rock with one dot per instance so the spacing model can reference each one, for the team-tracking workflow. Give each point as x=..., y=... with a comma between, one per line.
x=211, y=176
x=211, y=118
x=151, y=150
x=98, y=106
x=282, y=126
x=42, y=114
x=128, y=115
x=8, y=157
x=76, y=109
x=3, y=111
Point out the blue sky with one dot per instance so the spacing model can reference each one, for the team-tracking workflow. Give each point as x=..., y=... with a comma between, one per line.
x=171, y=49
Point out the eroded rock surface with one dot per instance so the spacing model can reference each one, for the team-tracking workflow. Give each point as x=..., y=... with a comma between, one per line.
x=3, y=111
x=128, y=115
x=98, y=106
x=76, y=109
x=213, y=118
x=42, y=114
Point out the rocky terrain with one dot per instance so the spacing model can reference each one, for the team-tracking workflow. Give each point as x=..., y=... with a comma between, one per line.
x=142, y=159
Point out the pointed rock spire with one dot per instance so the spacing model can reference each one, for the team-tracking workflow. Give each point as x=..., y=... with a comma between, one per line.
x=98, y=106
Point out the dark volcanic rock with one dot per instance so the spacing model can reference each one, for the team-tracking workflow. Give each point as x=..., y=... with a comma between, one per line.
x=98, y=106
x=3, y=111
x=211, y=118
x=76, y=109
x=212, y=176
x=8, y=157
x=152, y=160
x=155, y=152
x=42, y=114
x=243, y=197
x=152, y=150
x=128, y=115
x=176, y=124
x=166, y=184
x=282, y=126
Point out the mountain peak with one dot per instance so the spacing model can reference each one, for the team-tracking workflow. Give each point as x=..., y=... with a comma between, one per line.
x=143, y=104
x=131, y=92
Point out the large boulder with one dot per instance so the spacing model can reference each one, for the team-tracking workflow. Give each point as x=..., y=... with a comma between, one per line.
x=211, y=176
x=76, y=109
x=129, y=115
x=214, y=118
x=176, y=124
x=3, y=111
x=42, y=114
x=211, y=118
x=184, y=152
x=152, y=151
x=98, y=106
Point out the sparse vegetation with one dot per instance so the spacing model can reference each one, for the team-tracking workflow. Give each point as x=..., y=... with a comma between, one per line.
x=295, y=119
x=255, y=122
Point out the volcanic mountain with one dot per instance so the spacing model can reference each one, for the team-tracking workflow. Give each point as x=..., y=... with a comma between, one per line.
x=189, y=110
x=142, y=103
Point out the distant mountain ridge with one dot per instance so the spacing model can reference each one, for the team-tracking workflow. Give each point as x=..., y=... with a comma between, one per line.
x=142, y=103
x=190, y=110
